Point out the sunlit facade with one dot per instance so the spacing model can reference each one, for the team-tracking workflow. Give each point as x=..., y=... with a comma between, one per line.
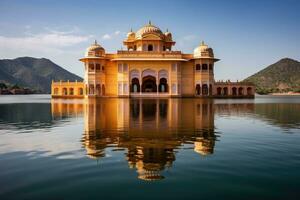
x=150, y=68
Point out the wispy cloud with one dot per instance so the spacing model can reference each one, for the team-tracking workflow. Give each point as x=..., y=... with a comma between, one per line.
x=109, y=36
x=49, y=41
x=106, y=37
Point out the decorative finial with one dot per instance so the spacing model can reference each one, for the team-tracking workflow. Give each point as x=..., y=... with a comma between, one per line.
x=202, y=43
x=95, y=42
x=130, y=29
x=167, y=30
x=149, y=22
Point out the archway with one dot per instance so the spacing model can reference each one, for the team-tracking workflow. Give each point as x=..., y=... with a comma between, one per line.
x=91, y=89
x=241, y=91
x=225, y=91
x=219, y=91
x=198, y=89
x=135, y=85
x=249, y=91
x=71, y=91
x=65, y=91
x=210, y=89
x=149, y=84
x=163, y=85
x=205, y=89
x=80, y=91
x=98, y=89
x=103, y=89
x=234, y=93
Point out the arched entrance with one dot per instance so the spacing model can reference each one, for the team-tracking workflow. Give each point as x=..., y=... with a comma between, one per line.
x=249, y=91
x=234, y=93
x=225, y=91
x=135, y=85
x=205, y=89
x=241, y=91
x=198, y=89
x=163, y=85
x=149, y=84
x=219, y=91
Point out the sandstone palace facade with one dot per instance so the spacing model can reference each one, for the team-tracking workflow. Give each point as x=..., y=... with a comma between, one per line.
x=150, y=68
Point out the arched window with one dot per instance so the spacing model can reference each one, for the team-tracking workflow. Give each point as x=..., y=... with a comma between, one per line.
x=198, y=89
x=56, y=91
x=98, y=67
x=249, y=91
x=103, y=89
x=135, y=85
x=241, y=91
x=234, y=93
x=204, y=67
x=205, y=89
x=71, y=91
x=150, y=47
x=225, y=91
x=198, y=67
x=65, y=91
x=98, y=89
x=163, y=85
x=80, y=91
x=219, y=91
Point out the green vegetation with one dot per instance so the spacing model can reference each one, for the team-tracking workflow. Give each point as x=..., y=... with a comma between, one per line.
x=282, y=76
x=34, y=73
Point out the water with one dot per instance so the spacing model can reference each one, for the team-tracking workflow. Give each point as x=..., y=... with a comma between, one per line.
x=149, y=148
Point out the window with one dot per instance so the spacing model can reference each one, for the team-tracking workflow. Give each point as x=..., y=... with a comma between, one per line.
x=125, y=88
x=102, y=68
x=204, y=67
x=164, y=48
x=120, y=68
x=120, y=88
x=174, y=67
x=98, y=67
x=150, y=47
x=91, y=67
x=198, y=67
x=125, y=67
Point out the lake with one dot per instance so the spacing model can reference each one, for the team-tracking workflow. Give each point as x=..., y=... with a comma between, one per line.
x=149, y=148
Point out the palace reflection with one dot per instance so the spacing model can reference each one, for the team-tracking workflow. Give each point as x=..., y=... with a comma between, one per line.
x=150, y=130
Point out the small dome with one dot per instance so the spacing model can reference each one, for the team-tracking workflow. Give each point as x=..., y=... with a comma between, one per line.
x=130, y=34
x=148, y=29
x=203, y=51
x=168, y=35
x=95, y=50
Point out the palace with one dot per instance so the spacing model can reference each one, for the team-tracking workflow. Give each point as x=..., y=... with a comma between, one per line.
x=150, y=68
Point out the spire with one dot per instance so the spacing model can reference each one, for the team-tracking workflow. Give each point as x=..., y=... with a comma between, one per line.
x=130, y=29
x=95, y=42
x=202, y=43
x=167, y=30
x=149, y=22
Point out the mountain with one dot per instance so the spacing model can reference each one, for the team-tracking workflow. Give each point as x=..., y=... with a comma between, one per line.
x=282, y=76
x=34, y=73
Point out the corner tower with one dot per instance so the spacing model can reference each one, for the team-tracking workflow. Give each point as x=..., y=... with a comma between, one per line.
x=94, y=76
x=204, y=70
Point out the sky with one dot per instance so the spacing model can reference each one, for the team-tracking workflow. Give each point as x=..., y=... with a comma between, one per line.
x=246, y=35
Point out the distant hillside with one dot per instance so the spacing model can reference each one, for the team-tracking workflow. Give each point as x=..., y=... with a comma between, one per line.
x=34, y=73
x=282, y=76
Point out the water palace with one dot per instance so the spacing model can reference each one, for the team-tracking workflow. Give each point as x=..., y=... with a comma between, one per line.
x=150, y=68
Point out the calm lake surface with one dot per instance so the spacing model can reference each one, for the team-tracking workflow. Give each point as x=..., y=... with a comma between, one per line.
x=149, y=148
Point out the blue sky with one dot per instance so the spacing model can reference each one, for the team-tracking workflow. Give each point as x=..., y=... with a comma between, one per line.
x=245, y=35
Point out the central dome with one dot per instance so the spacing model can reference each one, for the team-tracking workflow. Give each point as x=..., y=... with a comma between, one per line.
x=149, y=29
